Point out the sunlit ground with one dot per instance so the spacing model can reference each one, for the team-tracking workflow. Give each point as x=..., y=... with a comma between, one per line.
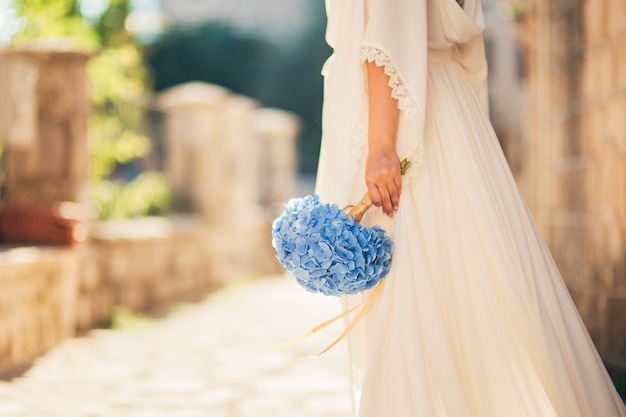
x=206, y=359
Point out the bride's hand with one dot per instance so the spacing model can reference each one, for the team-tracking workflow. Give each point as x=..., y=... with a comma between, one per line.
x=383, y=179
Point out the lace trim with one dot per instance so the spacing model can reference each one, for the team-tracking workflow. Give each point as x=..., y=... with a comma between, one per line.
x=399, y=91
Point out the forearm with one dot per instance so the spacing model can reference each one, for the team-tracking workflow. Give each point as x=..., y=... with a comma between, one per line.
x=382, y=169
x=383, y=111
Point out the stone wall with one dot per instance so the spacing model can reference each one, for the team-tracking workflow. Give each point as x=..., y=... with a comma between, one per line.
x=50, y=293
x=574, y=175
x=143, y=265
x=220, y=232
x=37, y=302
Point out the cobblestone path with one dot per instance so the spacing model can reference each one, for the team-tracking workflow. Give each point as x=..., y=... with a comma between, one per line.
x=203, y=360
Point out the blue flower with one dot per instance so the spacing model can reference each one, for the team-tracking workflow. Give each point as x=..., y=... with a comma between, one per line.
x=327, y=251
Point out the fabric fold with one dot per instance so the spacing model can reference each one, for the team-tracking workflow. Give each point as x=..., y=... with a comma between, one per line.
x=473, y=319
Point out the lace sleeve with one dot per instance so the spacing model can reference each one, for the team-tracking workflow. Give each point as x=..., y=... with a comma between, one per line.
x=400, y=92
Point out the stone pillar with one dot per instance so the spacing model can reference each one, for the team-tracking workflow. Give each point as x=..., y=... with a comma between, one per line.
x=196, y=147
x=18, y=81
x=46, y=156
x=277, y=133
x=242, y=152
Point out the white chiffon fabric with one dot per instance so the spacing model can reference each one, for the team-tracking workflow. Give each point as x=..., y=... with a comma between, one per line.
x=474, y=319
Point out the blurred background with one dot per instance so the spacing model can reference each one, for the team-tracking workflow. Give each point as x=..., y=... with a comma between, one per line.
x=146, y=146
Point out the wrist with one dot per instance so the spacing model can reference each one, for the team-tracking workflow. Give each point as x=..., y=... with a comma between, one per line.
x=382, y=148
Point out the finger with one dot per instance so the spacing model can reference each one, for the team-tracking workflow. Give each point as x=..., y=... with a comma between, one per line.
x=398, y=183
x=374, y=195
x=394, y=196
x=385, y=194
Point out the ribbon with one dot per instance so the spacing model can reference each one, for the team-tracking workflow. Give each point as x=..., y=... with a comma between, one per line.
x=357, y=211
x=365, y=306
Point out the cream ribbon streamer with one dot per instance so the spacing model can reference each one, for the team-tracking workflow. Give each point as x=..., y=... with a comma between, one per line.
x=357, y=212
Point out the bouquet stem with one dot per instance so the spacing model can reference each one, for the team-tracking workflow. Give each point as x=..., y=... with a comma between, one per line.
x=358, y=211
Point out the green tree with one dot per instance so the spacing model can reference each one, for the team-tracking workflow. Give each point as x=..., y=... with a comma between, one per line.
x=53, y=18
x=110, y=26
x=212, y=52
x=120, y=86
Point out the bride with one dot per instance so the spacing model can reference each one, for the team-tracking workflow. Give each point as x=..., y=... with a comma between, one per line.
x=474, y=319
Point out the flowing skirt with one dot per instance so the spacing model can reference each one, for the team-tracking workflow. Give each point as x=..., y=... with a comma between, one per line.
x=474, y=319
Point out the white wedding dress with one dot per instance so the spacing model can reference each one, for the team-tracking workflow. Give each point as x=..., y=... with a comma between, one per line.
x=474, y=319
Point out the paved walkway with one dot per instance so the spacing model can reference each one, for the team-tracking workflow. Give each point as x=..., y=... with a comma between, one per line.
x=203, y=360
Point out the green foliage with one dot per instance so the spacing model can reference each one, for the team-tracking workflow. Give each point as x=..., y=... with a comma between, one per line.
x=118, y=81
x=113, y=145
x=116, y=136
x=117, y=76
x=213, y=52
x=110, y=27
x=54, y=19
x=519, y=10
x=146, y=195
x=125, y=319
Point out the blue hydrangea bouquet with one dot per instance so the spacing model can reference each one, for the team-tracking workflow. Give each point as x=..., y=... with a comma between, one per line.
x=327, y=250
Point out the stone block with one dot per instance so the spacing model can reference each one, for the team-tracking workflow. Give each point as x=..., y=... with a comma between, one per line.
x=276, y=133
x=614, y=125
x=597, y=72
x=147, y=264
x=558, y=97
x=573, y=181
x=18, y=108
x=38, y=299
x=558, y=140
x=617, y=18
x=575, y=252
x=592, y=176
x=619, y=52
x=591, y=129
x=604, y=251
x=242, y=150
x=620, y=187
x=198, y=160
x=595, y=18
x=55, y=167
x=608, y=161
x=599, y=191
